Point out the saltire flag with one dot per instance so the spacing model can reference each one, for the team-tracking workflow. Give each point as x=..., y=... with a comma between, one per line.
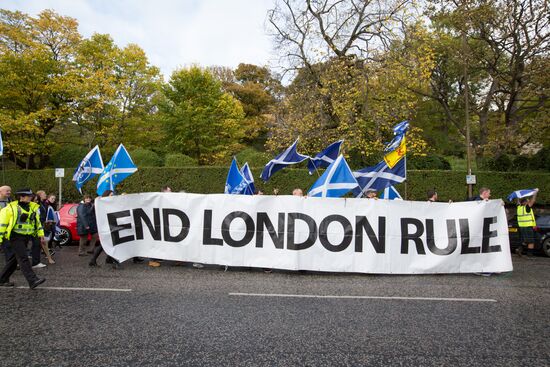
x=522, y=194
x=324, y=158
x=286, y=158
x=399, y=131
x=50, y=215
x=57, y=228
x=390, y=193
x=336, y=181
x=380, y=176
x=235, y=182
x=91, y=165
x=247, y=174
x=401, y=128
x=119, y=167
x=1, y=144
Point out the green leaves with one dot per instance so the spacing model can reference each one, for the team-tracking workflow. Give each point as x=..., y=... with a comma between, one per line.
x=201, y=120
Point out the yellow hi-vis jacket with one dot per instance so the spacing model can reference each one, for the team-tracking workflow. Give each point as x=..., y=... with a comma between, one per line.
x=525, y=219
x=12, y=219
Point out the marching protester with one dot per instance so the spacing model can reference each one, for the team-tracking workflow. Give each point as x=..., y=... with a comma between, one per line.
x=5, y=196
x=19, y=223
x=51, y=223
x=526, y=224
x=86, y=225
x=41, y=199
x=5, y=199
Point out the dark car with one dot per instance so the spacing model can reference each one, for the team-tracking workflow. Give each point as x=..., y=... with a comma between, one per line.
x=542, y=234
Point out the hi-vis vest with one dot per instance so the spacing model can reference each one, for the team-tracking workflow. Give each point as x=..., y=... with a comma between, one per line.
x=525, y=219
x=13, y=218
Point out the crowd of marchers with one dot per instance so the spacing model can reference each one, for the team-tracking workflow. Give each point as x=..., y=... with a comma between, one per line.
x=29, y=225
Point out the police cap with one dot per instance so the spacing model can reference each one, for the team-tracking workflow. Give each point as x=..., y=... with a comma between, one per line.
x=24, y=192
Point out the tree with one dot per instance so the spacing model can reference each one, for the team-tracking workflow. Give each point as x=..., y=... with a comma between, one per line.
x=258, y=91
x=35, y=80
x=349, y=75
x=137, y=86
x=201, y=120
x=117, y=90
x=508, y=44
x=95, y=108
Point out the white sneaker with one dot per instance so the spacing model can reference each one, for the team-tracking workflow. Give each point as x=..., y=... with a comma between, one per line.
x=38, y=266
x=198, y=265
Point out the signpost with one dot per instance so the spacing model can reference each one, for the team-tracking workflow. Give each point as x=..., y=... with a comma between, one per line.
x=60, y=173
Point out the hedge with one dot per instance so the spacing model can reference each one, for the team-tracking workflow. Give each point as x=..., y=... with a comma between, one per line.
x=449, y=184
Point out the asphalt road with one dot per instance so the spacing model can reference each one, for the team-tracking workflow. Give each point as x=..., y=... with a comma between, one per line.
x=177, y=315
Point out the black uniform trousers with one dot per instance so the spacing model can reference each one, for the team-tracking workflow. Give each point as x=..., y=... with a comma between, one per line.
x=18, y=246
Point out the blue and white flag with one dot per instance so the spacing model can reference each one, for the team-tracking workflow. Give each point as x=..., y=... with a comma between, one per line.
x=399, y=131
x=91, y=165
x=336, y=181
x=401, y=128
x=235, y=182
x=50, y=214
x=119, y=167
x=286, y=158
x=325, y=158
x=380, y=176
x=522, y=194
x=390, y=193
x=247, y=174
x=1, y=144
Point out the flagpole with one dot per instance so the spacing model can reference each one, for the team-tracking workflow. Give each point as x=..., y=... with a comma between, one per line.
x=316, y=170
x=405, y=177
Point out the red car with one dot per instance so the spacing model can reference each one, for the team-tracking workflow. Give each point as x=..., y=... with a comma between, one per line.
x=67, y=223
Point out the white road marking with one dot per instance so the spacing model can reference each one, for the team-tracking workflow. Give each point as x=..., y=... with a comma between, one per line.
x=363, y=297
x=80, y=289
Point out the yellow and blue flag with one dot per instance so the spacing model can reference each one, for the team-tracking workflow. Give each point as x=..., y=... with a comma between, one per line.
x=396, y=155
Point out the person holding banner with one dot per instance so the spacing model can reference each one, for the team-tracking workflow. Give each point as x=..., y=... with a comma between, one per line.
x=484, y=194
x=432, y=196
x=99, y=249
x=371, y=194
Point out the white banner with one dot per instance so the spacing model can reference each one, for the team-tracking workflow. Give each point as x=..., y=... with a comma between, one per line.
x=295, y=233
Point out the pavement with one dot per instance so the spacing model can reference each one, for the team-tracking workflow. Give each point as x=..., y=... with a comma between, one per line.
x=177, y=315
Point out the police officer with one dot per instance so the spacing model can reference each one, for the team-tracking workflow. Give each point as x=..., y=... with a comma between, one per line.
x=527, y=224
x=19, y=223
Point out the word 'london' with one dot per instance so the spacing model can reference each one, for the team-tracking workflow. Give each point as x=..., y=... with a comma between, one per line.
x=412, y=231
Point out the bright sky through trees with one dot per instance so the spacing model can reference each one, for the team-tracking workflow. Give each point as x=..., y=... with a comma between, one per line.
x=173, y=33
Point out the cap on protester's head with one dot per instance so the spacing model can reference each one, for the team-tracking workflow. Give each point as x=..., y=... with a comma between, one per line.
x=24, y=192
